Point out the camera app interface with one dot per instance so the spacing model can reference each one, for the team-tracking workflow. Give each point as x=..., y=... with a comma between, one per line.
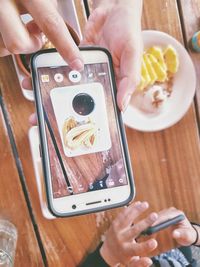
x=84, y=146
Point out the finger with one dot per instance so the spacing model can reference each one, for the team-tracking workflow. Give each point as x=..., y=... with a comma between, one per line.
x=134, y=232
x=33, y=119
x=184, y=237
x=140, y=249
x=129, y=214
x=130, y=73
x=93, y=26
x=26, y=83
x=23, y=10
x=140, y=262
x=14, y=33
x=3, y=51
x=49, y=20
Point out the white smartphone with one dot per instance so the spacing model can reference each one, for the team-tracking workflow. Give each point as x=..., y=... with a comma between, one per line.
x=83, y=145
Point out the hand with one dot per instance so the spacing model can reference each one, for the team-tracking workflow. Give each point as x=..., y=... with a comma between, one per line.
x=182, y=232
x=120, y=245
x=117, y=27
x=16, y=38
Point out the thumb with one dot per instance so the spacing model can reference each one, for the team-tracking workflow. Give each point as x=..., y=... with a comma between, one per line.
x=130, y=72
x=184, y=237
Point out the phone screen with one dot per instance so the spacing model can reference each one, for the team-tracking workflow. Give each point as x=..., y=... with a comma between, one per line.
x=82, y=132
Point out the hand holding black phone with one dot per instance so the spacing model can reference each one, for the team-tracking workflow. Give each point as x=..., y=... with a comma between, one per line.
x=163, y=225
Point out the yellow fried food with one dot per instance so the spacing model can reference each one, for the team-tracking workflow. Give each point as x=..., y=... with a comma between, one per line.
x=69, y=124
x=145, y=78
x=158, y=54
x=150, y=69
x=78, y=135
x=171, y=59
x=160, y=72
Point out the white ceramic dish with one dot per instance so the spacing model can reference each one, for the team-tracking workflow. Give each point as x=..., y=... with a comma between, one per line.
x=183, y=90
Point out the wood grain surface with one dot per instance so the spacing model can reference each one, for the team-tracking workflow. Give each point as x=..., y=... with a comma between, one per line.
x=167, y=155
x=166, y=164
x=190, y=11
x=13, y=206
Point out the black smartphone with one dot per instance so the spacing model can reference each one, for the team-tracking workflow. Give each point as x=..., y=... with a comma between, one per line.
x=154, y=229
x=83, y=144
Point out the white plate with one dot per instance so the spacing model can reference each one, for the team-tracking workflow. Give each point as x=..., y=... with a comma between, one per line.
x=183, y=89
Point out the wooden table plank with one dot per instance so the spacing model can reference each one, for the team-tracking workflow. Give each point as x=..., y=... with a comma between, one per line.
x=166, y=164
x=165, y=156
x=13, y=206
x=190, y=11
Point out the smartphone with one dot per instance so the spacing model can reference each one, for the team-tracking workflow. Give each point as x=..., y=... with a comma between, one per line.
x=83, y=144
x=161, y=226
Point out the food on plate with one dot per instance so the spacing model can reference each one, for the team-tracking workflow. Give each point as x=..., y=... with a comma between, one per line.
x=171, y=59
x=158, y=54
x=150, y=69
x=152, y=100
x=79, y=134
x=159, y=65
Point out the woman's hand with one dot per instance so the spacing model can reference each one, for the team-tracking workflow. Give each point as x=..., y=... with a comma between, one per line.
x=182, y=232
x=16, y=38
x=120, y=245
x=117, y=27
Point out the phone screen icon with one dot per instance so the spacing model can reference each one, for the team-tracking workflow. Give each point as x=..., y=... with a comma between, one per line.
x=45, y=78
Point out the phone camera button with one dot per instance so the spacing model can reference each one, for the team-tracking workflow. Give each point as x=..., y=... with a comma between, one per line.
x=74, y=76
x=58, y=77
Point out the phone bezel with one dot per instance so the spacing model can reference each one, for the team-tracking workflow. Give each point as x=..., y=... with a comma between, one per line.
x=98, y=194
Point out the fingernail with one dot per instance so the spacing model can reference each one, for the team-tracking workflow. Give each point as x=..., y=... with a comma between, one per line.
x=153, y=216
x=145, y=205
x=137, y=204
x=149, y=262
x=176, y=234
x=152, y=243
x=126, y=102
x=77, y=64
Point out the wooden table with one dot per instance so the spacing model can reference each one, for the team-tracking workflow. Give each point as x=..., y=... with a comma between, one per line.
x=166, y=164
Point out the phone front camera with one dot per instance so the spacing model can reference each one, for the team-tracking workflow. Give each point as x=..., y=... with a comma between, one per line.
x=83, y=104
x=74, y=207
